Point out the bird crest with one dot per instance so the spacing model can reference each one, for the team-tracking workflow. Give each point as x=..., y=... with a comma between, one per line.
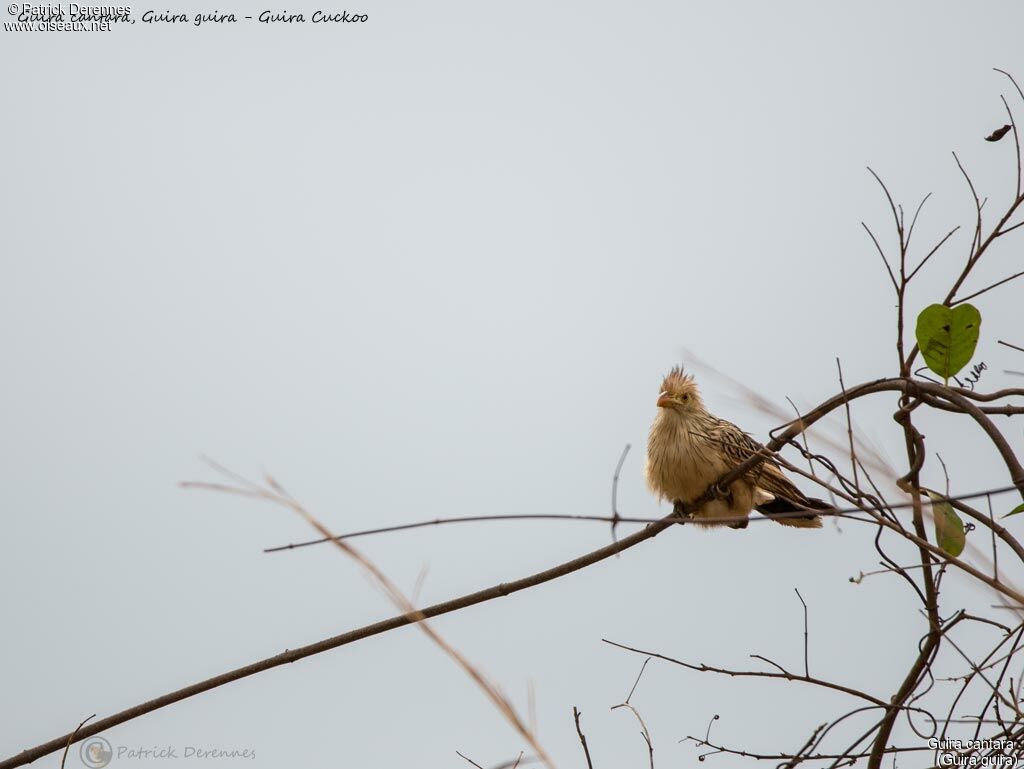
x=677, y=383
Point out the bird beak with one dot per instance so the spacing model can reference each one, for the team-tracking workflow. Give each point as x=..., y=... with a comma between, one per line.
x=664, y=401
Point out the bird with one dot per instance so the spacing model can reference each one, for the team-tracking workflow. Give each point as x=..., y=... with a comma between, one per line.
x=689, y=449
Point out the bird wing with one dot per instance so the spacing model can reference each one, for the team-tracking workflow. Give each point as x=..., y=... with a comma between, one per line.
x=738, y=446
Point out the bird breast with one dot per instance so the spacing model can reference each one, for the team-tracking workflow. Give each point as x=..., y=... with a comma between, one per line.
x=679, y=464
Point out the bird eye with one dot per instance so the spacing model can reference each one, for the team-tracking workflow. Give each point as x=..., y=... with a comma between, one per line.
x=686, y=397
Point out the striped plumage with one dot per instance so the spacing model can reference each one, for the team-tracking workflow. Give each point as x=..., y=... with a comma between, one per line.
x=689, y=449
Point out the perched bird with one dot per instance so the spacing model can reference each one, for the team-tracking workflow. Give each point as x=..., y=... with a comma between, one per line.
x=689, y=449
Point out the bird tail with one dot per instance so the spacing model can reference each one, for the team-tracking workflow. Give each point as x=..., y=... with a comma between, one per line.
x=785, y=511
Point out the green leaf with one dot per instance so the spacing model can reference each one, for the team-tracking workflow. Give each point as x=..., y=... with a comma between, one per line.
x=947, y=337
x=949, y=529
x=1018, y=509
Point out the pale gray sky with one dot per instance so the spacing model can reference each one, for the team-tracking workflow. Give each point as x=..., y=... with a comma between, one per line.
x=436, y=264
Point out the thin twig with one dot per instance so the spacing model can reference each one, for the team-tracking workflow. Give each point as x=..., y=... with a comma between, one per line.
x=1013, y=123
x=945, y=471
x=807, y=667
x=838, y=512
x=470, y=760
x=643, y=727
x=783, y=675
x=849, y=426
x=583, y=740
x=881, y=253
x=637, y=681
x=71, y=739
x=929, y=255
x=803, y=436
x=615, y=490
x=988, y=288
x=992, y=529
x=799, y=755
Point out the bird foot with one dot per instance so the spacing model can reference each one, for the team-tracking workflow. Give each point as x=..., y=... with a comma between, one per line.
x=722, y=494
x=679, y=509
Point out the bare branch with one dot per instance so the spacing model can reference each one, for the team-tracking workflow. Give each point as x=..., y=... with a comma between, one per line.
x=470, y=760
x=615, y=489
x=849, y=425
x=784, y=675
x=583, y=740
x=988, y=288
x=71, y=738
x=839, y=512
x=929, y=255
x=881, y=253
x=637, y=681
x=807, y=667
x=913, y=222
